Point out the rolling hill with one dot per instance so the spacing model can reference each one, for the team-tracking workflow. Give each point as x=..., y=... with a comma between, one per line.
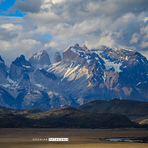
x=135, y=110
x=66, y=117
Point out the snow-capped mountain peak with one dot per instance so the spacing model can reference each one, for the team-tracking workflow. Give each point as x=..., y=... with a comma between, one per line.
x=39, y=54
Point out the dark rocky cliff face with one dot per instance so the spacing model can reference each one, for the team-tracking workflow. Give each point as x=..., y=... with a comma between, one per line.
x=25, y=81
x=6, y=99
x=3, y=71
x=19, y=67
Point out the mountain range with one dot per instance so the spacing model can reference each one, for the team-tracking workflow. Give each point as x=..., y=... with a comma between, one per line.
x=78, y=76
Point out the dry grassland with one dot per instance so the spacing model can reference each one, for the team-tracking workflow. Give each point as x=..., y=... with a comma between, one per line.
x=79, y=138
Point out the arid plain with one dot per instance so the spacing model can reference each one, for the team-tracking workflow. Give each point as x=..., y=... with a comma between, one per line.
x=78, y=138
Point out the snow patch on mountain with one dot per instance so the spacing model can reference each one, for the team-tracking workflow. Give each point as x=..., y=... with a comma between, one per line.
x=109, y=65
x=10, y=80
x=141, y=83
x=10, y=84
x=40, y=86
x=69, y=72
x=88, y=61
x=104, y=76
x=5, y=85
x=26, y=66
x=96, y=58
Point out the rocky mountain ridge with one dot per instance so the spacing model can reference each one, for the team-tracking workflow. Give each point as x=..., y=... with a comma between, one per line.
x=102, y=74
x=29, y=86
x=79, y=76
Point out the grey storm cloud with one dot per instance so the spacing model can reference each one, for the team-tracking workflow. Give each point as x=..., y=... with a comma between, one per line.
x=28, y=5
x=83, y=9
x=7, y=35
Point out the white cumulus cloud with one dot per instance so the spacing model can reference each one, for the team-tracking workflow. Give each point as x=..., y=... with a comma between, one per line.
x=119, y=23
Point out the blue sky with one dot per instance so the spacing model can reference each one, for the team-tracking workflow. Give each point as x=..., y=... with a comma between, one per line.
x=47, y=36
x=28, y=26
x=6, y=5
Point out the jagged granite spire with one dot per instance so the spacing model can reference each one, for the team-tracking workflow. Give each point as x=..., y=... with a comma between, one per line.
x=19, y=67
x=57, y=57
x=40, y=59
x=20, y=61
